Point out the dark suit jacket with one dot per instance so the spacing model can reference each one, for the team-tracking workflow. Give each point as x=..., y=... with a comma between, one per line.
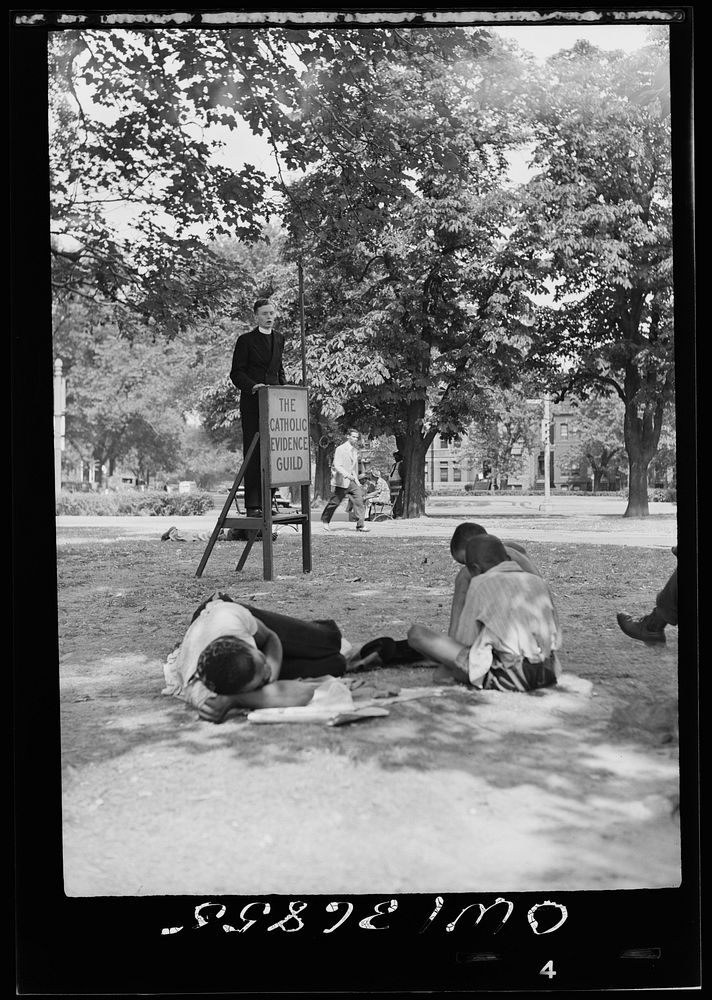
x=253, y=363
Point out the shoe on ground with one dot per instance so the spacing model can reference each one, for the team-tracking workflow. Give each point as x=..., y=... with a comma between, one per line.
x=363, y=529
x=254, y=512
x=647, y=629
x=384, y=646
x=167, y=535
x=674, y=550
x=325, y=526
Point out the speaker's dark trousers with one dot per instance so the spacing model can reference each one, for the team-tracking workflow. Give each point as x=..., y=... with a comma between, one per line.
x=250, y=418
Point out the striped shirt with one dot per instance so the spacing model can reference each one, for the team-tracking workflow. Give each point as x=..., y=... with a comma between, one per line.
x=510, y=626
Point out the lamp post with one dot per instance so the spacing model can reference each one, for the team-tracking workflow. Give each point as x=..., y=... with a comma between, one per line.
x=60, y=398
x=301, y=321
x=547, y=449
x=546, y=442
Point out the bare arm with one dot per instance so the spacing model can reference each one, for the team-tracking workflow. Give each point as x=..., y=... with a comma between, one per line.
x=269, y=643
x=462, y=583
x=281, y=694
x=517, y=554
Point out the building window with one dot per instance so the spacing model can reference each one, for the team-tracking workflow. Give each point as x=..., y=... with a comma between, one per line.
x=443, y=442
x=457, y=474
x=563, y=431
x=444, y=472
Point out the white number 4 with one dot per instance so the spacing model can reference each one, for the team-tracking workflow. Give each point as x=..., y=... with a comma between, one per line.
x=548, y=970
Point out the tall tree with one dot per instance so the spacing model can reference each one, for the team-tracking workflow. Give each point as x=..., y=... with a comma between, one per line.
x=403, y=227
x=599, y=215
x=137, y=119
x=122, y=396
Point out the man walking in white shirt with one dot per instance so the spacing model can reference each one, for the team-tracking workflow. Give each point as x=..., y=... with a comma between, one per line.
x=345, y=473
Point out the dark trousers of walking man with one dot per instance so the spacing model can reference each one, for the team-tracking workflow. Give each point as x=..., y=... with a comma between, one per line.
x=353, y=490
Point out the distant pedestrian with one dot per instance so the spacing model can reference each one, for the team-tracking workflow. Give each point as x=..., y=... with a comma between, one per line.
x=346, y=483
x=396, y=483
x=378, y=491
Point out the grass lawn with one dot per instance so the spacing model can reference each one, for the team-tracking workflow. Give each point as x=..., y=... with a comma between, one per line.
x=139, y=596
x=138, y=766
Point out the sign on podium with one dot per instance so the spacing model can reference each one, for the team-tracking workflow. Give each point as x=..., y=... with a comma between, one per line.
x=285, y=460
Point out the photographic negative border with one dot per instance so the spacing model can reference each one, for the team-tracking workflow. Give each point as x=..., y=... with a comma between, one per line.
x=607, y=940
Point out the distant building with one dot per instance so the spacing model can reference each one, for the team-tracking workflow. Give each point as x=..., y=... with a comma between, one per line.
x=448, y=468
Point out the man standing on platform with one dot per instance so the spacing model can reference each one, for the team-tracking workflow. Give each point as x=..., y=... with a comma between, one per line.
x=346, y=483
x=256, y=362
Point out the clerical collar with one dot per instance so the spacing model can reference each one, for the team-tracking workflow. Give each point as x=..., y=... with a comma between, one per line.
x=262, y=330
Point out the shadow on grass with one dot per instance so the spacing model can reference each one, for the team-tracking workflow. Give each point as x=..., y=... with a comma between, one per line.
x=122, y=610
x=554, y=740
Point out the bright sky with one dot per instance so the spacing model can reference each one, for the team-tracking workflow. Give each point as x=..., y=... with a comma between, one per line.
x=542, y=41
x=241, y=146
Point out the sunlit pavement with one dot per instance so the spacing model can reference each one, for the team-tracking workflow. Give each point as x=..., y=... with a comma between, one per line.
x=588, y=520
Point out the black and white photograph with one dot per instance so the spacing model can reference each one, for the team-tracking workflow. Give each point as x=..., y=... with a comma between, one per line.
x=368, y=344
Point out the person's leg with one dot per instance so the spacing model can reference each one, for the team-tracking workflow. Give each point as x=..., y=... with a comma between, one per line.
x=666, y=601
x=651, y=628
x=397, y=502
x=356, y=494
x=309, y=649
x=334, y=500
x=436, y=645
x=250, y=418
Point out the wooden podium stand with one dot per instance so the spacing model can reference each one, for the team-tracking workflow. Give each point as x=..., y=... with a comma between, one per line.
x=284, y=461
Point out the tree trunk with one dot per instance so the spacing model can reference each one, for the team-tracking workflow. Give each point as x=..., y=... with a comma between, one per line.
x=641, y=441
x=413, y=446
x=322, y=473
x=597, y=475
x=637, y=489
x=323, y=454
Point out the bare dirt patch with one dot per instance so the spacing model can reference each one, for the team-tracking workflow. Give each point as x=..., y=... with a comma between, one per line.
x=570, y=788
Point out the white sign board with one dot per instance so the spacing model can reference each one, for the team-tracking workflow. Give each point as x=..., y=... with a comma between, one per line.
x=284, y=435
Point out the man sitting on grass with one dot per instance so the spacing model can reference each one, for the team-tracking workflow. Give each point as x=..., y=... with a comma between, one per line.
x=239, y=656
x=462, y=534
x=507, y=632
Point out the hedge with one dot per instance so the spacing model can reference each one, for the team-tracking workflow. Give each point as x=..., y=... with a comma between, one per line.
x=155, y=503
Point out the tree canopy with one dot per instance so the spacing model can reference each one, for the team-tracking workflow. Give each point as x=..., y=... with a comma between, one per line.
x=404, y=236
x=426, y=270
x=598, y=215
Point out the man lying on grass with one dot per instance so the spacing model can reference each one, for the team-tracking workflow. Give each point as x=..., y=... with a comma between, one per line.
x=505, y=634
x=238, y=656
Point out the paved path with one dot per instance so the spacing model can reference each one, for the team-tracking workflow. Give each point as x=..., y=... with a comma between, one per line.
x=592, y=520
